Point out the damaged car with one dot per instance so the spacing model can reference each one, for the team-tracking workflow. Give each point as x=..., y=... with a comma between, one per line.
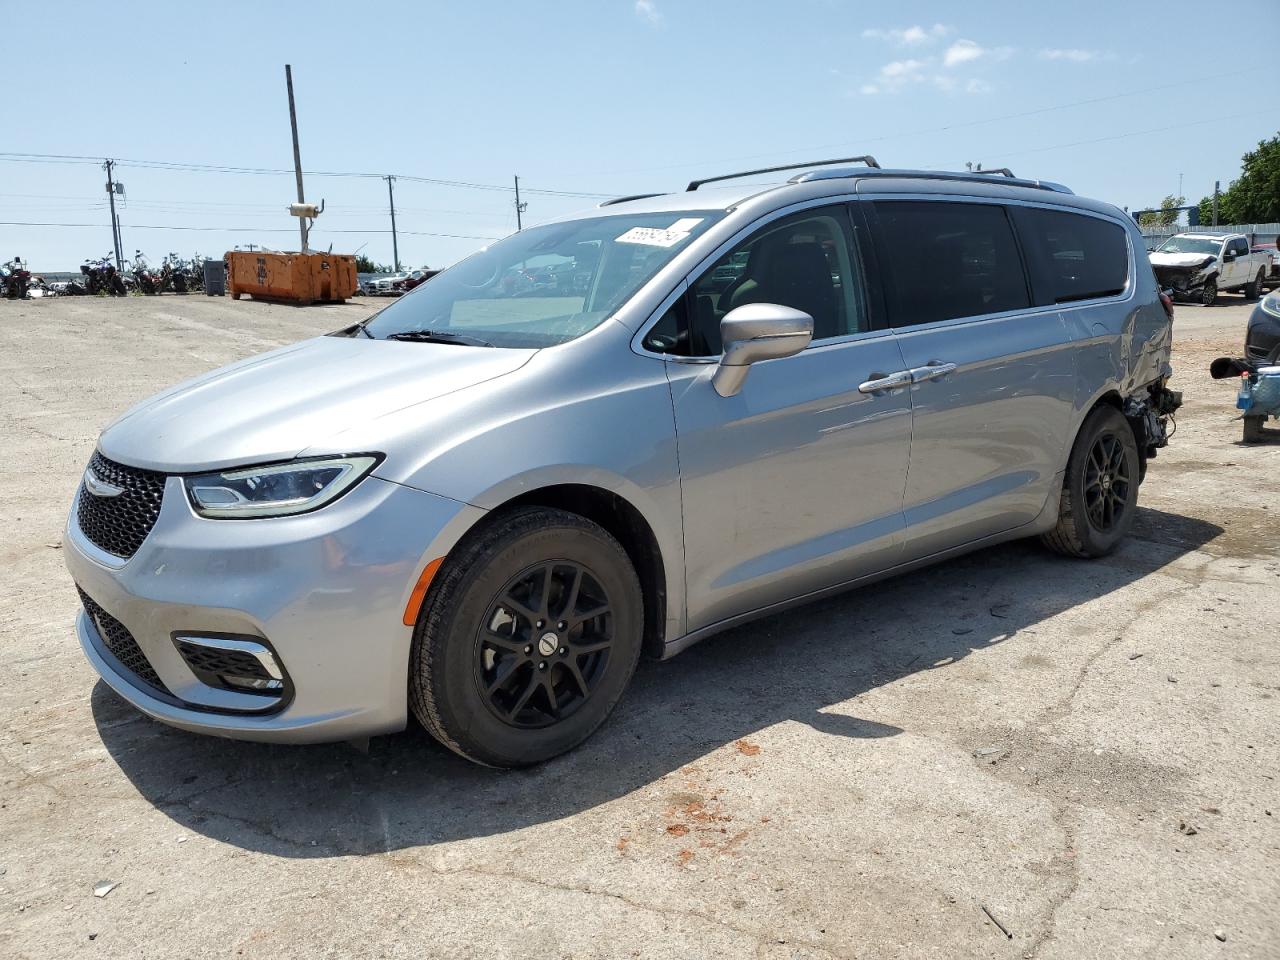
x=482, y=505
x=1196, y=267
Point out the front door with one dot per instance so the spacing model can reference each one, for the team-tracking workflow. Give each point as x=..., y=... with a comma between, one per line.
x=795, y=483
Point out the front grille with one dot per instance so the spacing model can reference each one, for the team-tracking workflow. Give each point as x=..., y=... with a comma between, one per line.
x=121, y=645
x=119, y=524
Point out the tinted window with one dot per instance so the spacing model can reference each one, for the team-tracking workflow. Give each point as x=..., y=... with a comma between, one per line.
x=946, y=260
x=1240, y=247
x=1073, y=257
x=805, y=261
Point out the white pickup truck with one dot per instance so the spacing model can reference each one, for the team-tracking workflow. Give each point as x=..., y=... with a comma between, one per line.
x=1199, y=266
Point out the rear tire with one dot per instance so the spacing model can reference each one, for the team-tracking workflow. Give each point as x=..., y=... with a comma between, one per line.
x=1253, y=289
x=513, y=664
x=1100, y=489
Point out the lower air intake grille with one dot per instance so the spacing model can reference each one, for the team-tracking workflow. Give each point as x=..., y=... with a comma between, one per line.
x=121, y=645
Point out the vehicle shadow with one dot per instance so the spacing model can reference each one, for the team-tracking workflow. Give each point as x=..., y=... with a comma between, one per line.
x=406, y=791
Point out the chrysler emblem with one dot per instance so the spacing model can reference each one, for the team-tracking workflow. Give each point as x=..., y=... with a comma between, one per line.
x=100, y=488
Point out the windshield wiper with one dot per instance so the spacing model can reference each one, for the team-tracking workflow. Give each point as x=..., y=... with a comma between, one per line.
x=438, y=336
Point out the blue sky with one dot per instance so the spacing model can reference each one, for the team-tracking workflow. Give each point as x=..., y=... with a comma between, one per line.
x=1115, y=99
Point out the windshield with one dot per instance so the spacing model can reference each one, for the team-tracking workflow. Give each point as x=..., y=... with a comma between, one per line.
x=545, y=285
x=1190, y=245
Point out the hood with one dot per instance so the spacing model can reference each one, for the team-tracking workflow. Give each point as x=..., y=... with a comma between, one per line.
x=274, y=406
x=1181, y=259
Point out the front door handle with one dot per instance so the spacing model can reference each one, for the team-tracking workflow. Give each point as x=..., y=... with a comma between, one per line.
x=881, y=382
x=931, y=371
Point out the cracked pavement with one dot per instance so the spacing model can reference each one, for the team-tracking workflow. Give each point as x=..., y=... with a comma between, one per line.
x=1086, y=749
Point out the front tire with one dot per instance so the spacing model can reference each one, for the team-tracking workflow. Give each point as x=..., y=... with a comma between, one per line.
x=1100, y=490
x=529, y=635
x=1209, y=294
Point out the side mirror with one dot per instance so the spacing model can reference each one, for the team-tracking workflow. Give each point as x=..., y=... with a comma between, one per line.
x=755, y=332
x=1228, y=256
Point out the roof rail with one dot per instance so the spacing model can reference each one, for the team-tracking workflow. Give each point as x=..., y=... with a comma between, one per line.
x=870, y=161
x=1002, y=171
x=627, y=199
x=971, y=176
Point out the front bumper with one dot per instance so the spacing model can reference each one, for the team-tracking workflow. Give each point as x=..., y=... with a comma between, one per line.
x=325, y=590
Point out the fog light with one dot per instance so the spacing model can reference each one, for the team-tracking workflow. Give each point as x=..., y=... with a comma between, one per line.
x=252, y=683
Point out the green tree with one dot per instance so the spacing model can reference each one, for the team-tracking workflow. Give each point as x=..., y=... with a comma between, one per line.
x=1254, y=197
x=365, y=265
x=1167, y=214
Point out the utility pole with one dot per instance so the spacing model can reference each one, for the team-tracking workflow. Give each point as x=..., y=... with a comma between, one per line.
x=1217, y=189
x=297, y=156
x=395, y=246
x=520, y=207
x=115, y=222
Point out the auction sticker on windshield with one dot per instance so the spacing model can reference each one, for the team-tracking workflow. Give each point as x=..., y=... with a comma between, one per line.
x=658, y=237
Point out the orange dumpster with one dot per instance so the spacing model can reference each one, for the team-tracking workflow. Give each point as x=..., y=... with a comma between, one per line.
x=300, y=278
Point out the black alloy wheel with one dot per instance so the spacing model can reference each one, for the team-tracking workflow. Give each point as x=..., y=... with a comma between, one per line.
x=1107, y=485
x=544, y=644
x=1099, y=496
x=527, y=637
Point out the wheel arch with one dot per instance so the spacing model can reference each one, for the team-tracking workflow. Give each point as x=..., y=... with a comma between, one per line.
x=626, y=524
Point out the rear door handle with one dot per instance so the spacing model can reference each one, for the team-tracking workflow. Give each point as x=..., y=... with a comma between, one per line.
x=880, y=382
x=931, y=371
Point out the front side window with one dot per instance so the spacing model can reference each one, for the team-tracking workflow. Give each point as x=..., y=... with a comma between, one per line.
x=545, y=285
x=1072, y=256
x=946, y=260
x=804, y=261
x=1239, y=247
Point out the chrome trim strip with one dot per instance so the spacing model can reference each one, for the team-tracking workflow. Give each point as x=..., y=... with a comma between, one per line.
x=255, y=650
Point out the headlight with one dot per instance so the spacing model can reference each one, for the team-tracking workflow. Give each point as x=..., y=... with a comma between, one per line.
x=278, y=490
x=1271, y=303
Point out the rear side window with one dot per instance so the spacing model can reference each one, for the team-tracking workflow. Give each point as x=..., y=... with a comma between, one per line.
x=1072, y=256
x=946, y=260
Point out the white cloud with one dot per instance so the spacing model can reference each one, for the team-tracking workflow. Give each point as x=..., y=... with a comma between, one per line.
x=912, y=36
x=648, y=11
x=1072, y=55
x=962, y=51
x=966, y=51
x=900, y=74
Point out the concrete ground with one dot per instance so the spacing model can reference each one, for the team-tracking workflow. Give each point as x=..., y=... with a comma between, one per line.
x=1087, y=750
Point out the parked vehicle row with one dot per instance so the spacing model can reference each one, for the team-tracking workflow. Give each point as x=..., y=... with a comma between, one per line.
x=395, y=284
x=480, y=505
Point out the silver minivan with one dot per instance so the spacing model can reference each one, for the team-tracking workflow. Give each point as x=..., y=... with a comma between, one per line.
x=618, y=433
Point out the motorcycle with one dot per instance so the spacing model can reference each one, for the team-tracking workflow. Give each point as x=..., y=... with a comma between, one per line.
x=173, y=274
x=143, y=277
x=16, y=279
x=101, y=276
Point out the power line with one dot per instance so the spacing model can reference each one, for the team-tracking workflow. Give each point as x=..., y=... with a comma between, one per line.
x=1120, y=136
x=277, y=171
x=148, y=226
x=861, y=141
